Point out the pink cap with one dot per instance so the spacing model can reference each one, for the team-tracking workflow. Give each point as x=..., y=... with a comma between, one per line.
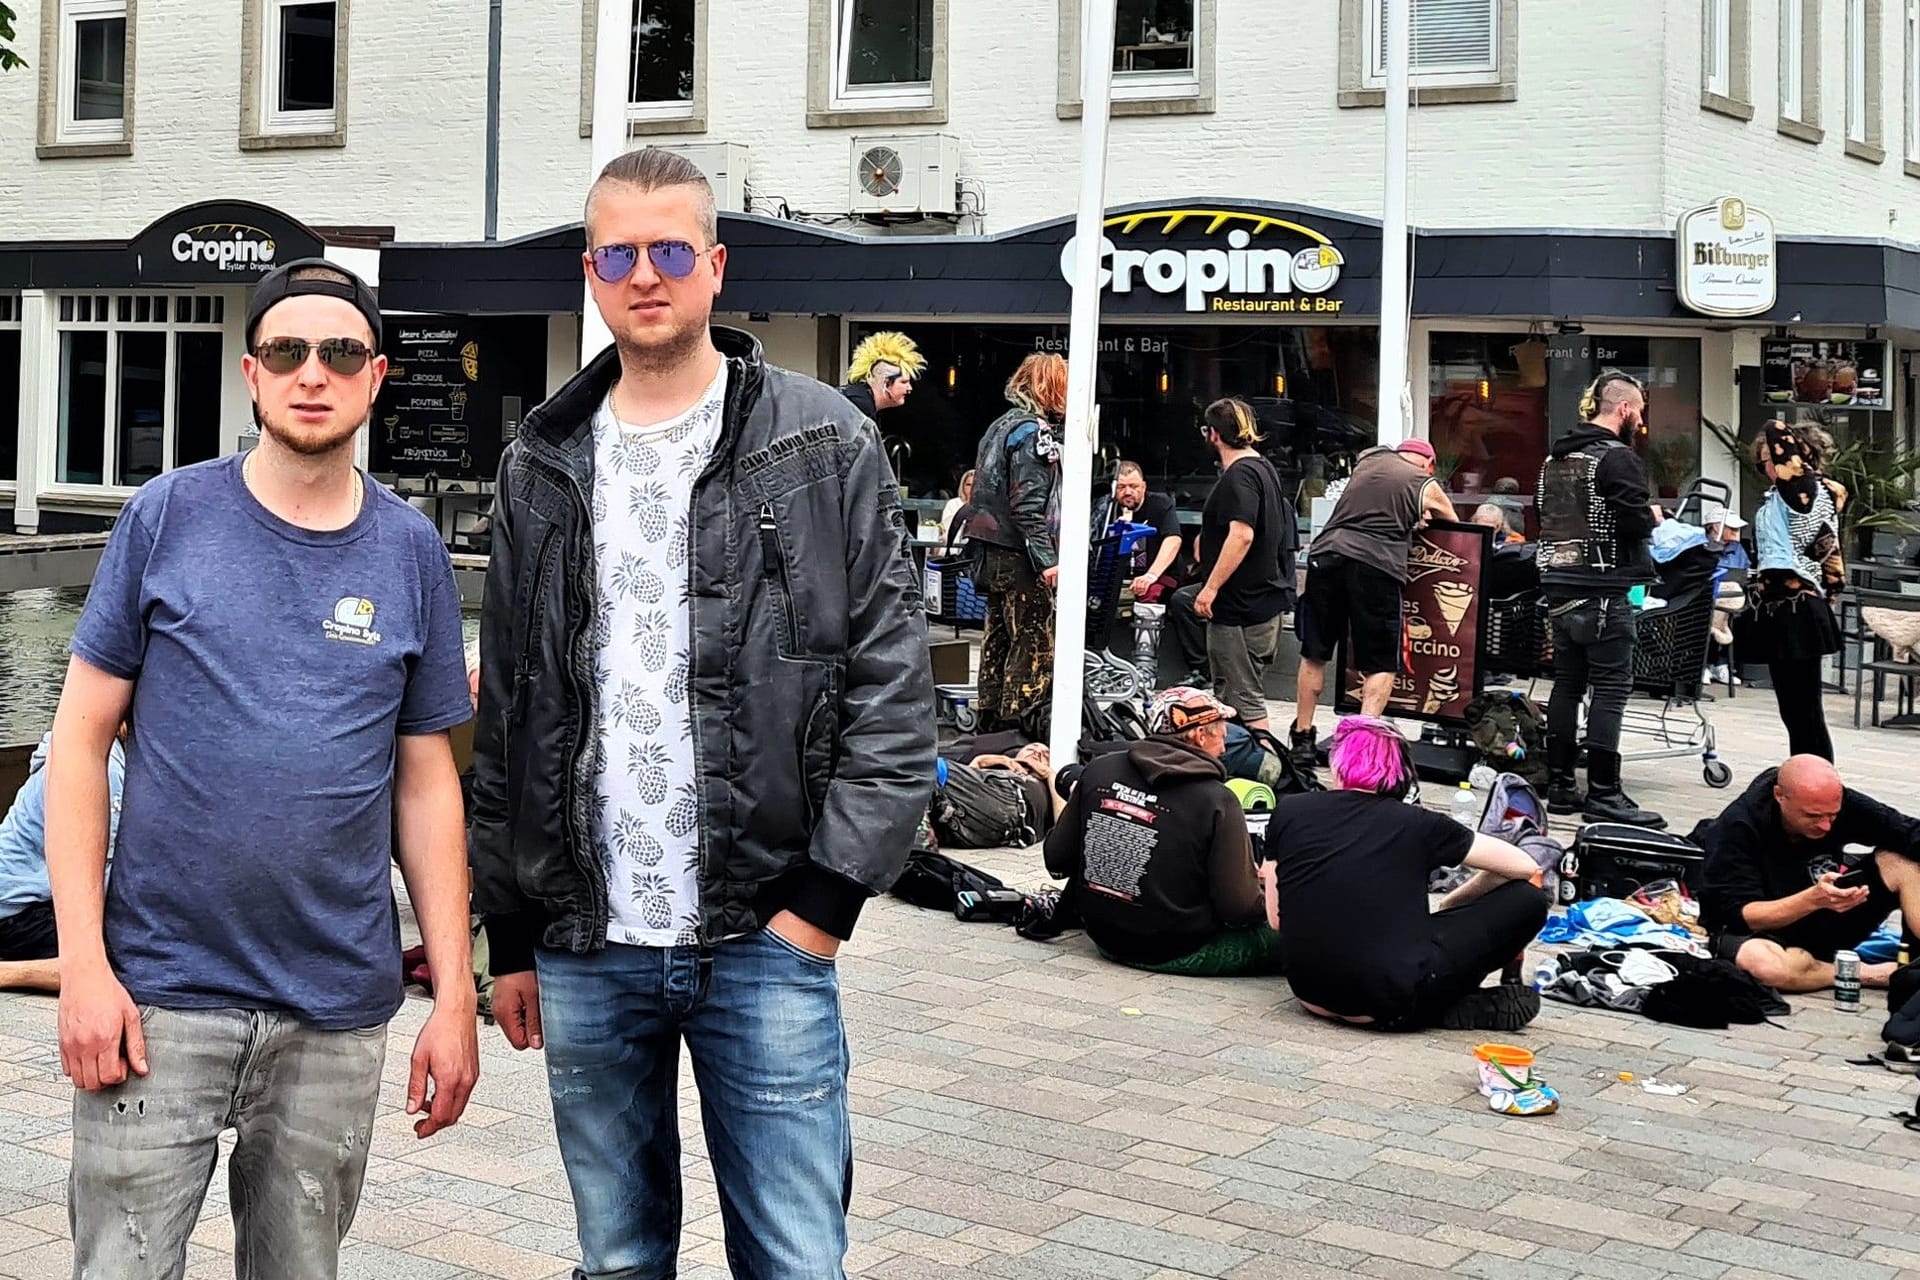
x=1419, y=447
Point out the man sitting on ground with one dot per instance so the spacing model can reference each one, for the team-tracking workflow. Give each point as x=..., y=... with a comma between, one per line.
x=1781, y=895
x=1155, y=851
x=1353, y=867
x=29, y=946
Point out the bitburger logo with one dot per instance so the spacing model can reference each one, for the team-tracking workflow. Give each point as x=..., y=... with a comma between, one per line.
x=1246, y=275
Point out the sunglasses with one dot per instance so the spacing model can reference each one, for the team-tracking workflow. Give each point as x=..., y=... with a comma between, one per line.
x=674, y=259
x=344, y=356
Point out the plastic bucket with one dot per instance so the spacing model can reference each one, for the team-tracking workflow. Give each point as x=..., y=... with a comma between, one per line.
x=1504, y=1068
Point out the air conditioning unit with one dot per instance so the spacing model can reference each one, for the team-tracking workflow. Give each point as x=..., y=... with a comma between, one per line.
x=725, y=164
x=906, y=174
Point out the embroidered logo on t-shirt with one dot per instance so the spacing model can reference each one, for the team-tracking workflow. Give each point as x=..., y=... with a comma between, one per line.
x=352, y=621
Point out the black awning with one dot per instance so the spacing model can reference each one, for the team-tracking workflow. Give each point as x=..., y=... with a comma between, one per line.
x=209, y=242
x=794, y=268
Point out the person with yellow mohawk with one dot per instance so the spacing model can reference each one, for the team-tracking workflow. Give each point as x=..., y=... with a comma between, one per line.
x=882, y=372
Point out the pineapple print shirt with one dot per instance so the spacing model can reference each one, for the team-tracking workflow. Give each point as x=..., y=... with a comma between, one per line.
x=645, y=827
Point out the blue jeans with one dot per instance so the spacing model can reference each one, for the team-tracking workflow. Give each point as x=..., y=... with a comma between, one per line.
x=302, y=1103
x=770, y=1059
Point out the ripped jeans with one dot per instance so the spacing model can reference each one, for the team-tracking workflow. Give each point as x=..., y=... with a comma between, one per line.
x=769, y=1055
x=302, y=1103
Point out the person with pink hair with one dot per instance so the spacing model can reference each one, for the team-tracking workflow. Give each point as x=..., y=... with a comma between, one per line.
x=1352, y=867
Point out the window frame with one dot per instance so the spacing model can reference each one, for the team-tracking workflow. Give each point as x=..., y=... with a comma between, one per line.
x=1361, y=86
x=642, y=121
x=104, y=317
x=670, y=110
x=1716, y=45
x=830, y=107
x=1727, y=90
x=1912, y=120
x=1374, y=74
x=1865, y=106
x=71, y=127
x=60, y=136
x=262, y=126
x=1168, y=93
x=272, y=69
x=847, y=96
x=1793, y=59
x=11, y=321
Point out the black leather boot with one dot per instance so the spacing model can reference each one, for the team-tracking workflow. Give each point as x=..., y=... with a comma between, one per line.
x=1607, y=800
x=1303, y=747
x=1563, y=784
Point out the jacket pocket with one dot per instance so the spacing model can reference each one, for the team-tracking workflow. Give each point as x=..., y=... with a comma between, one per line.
x=773, y=566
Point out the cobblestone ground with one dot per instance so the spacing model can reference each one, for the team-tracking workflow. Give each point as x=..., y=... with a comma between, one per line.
x=1029, y=1111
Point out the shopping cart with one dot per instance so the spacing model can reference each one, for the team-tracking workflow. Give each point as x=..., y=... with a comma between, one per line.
x=1670, y=649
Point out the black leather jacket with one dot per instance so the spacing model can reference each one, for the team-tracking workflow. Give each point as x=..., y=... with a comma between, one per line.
x=811, y=693
x=1015, y=481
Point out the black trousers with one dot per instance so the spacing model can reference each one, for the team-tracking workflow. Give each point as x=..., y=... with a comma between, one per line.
x=1183, y=638
x=1592, y=647
x=1466, y=945
x=1796, y=688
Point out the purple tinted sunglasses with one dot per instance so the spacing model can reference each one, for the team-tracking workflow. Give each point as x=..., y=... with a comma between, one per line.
x=674, y=259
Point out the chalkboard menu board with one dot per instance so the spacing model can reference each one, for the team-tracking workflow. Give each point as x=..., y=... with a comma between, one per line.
x=457, y=388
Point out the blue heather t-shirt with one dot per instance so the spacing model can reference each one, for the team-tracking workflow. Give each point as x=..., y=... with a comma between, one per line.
x=273, y=667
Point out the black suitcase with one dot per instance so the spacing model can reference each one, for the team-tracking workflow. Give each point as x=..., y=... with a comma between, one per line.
x=1613, y=859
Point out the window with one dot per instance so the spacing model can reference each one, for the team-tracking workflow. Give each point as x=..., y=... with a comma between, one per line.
x=1717, y=65
x=86, y=89
x=300, y=56
x=1913, y=88
x=1856, y=70
x=9, y=387
x=1454, y=42
x=660, y=85
x=882, y=53
x=1156, y=46
x=140, y=385
x=1793, y=16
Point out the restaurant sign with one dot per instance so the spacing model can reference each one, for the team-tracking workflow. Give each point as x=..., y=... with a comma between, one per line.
x=1226, y=261
x=220, y=242
x=1442, y=605
x=1727, y=260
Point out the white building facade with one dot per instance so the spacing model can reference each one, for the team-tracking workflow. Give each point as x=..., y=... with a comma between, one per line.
x=910, y=163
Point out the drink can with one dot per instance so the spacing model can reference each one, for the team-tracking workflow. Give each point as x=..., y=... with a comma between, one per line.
x=1846, y=981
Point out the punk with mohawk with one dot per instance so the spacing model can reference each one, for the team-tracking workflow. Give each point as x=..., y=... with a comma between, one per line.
x=882, y=372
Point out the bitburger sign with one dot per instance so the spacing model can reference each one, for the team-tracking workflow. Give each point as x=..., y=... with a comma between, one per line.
x=1243, y=261
x=1728, y=262
x=220, y=242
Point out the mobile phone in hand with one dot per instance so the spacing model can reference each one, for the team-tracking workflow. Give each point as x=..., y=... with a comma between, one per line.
x=1857, y=878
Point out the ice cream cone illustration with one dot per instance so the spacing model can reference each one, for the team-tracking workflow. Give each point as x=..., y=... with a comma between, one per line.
x=1453, y=599
x=1442, y=689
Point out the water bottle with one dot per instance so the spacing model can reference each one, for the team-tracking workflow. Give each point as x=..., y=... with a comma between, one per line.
x=1546, y=973
x=1466, y=807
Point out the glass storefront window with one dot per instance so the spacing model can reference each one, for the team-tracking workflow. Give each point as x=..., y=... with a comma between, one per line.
x=1496, y=400
x=140, y=385
x=1313, y=388
x=9, y=397
x=83, y=408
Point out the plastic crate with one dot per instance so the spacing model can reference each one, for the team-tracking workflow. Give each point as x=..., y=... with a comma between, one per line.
x=951, y=593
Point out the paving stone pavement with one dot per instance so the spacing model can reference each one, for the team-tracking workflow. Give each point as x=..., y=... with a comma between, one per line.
x=1029, y=1111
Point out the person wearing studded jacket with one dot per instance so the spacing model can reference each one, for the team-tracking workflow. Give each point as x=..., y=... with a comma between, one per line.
x=1596, y=515
x=705, y=723
x=1012, y=527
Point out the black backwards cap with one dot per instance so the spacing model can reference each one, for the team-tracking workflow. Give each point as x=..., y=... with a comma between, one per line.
x=312, y=276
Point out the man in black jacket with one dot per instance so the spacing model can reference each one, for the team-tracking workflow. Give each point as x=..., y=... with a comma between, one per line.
x=705, y=721
x=1596, y=515
x=881, y=374
x=1155, y=851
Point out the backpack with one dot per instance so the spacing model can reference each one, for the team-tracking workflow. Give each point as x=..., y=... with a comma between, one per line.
x=1510, y=731
x=980, y=808
x=1258, y=756
x=1515, y=814
x=933, y=880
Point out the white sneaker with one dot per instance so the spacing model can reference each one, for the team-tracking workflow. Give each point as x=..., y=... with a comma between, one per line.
x=1720, y=674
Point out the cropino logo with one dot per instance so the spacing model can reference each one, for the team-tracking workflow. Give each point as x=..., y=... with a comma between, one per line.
x=1253, y=268
x=229, y=246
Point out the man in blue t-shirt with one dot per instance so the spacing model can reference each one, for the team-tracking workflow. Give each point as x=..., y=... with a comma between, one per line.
x=284, y=635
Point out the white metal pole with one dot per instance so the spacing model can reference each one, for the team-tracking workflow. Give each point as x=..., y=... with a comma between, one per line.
x=1083, y=354
x=1393, y=228
x=613, y=41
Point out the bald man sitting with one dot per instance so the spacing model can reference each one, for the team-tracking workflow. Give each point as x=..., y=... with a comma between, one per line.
x=1783, y=891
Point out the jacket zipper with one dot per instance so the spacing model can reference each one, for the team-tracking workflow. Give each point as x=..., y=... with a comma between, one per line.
x=773, y=559
x=579, y=642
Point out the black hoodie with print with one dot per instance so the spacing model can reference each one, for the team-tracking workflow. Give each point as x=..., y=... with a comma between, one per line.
x=1156, y=851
